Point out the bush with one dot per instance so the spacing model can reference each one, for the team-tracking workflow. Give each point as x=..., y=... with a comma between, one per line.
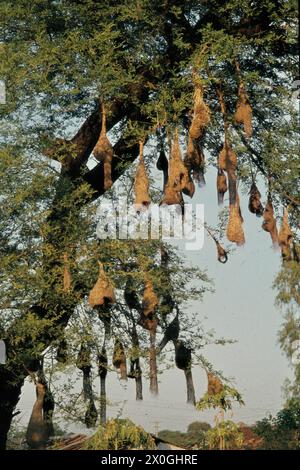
x=120, y=434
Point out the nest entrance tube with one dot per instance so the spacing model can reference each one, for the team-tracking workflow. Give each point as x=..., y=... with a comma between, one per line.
x=103, y=151
x=67, y=279
x=102, y=294
x=119, y=359
x=183, y=360
x=141, y=184
x=195, y=161
x=179, y=179
x=285, y=237
x=37, y=432
x=235, y=232
x=221, y=185
x=269, y=223
x=255, y=205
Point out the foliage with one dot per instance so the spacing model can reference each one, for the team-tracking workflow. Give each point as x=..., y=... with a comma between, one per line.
x=222, y=400
x=120, y=434
x=194, y=437
x=281, y=431
x=59, y=59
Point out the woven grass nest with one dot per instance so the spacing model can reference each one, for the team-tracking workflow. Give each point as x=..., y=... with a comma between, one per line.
x=102, y=363
x=103, y=152
x=214, y=385
x=102, y=294
x=119, y=359
x=221, y=185
x=285, y=237
x=179, y=179
x=269, y=222
x=141, y=184
x=195, y=161
x=243, y=113
x=235, y=232
x=255, y=206
x=150, y=300
x=201, y=116
x=83, y=361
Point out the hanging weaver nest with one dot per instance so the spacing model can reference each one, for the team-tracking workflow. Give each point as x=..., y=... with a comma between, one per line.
x=195, y=161
x=221, y=185
x=102, y=294
x=67, y=279
x=91, y=415
x=214, y=386
x=148, y=322
x=227, y=158
x=222, y=254
x=102, y=363
x=150, y=300
x=201, y=117
x=243, y=113
x=103, y=152
x=119, y=359
x=269, y=223
x=285, y=237
x=141, y=184
x=235, y=232
x=183, y=355
x=255, y=205
x=179, y=179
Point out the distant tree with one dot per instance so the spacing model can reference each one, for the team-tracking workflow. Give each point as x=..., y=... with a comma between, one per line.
x=281, y=431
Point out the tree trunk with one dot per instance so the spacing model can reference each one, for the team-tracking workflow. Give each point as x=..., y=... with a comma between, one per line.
x=11, y=383
x=190, y=386
x=153, y=363
x=103, y=401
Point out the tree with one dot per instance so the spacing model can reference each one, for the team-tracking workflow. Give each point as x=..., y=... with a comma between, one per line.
x=281, y=431
x=288, y=299
x=144, y=62
x=225, y=435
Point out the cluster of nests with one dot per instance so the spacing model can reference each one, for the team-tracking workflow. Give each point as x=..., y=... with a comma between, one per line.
x=180, y=174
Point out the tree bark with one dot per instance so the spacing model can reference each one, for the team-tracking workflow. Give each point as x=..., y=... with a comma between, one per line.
x=153, y=363
x=190, y=386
